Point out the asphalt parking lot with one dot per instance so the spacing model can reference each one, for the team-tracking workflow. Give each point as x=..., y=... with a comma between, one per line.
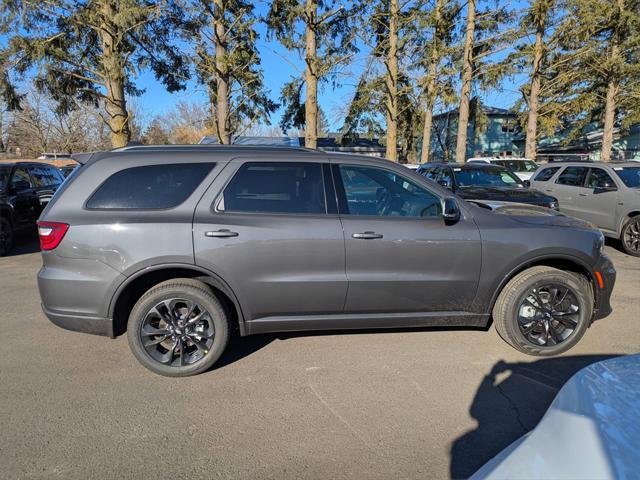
x=401, y=404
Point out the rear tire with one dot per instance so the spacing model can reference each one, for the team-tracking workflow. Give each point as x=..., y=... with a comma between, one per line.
x=544, y=311
x=178, y=328
x=6, y=236
x=630, y=236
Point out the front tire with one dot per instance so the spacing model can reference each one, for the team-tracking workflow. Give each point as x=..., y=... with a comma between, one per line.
x=544, y=311
x=630, y=236
x=178, y=328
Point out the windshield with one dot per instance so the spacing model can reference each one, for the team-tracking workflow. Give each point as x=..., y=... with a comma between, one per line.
x=4, y=176
x=486, y=177
x=519, y=165
x=629, y=175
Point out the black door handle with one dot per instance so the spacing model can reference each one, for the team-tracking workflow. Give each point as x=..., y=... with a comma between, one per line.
x=221, y=233
x=367, y=235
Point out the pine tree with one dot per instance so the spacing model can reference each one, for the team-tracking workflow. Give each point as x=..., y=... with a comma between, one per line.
x=322, y=32
x=599, y=45
x=90, y=51
x=227, y=62
x=439, y=19
x=487, y=32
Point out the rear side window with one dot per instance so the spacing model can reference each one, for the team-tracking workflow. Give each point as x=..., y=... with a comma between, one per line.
x=545, y=174
x=44, y=176
x=572, y=176
x=149, y=187
x=276, y=187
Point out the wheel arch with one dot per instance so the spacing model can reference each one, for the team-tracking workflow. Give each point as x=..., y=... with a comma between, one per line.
x=128, y=293
x=561, y=262
x=625, y=218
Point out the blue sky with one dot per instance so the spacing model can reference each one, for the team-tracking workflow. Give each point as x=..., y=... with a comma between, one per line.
x=279, y=66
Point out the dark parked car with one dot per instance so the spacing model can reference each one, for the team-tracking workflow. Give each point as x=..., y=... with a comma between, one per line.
x=482, y=181
x=178, y=245
x=67, y=169
x=25, y=189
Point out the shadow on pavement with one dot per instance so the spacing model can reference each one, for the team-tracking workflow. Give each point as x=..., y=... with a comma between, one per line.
x=24, y=243
x=509, y=402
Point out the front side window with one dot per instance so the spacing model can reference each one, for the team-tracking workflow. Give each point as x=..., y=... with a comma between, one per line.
x=598, y=178
x=572, y=176
x=377, y=192
x=21, y=179
x=485, y=177
x=276, y=187
x=4, y=177
x=149, y=187
x=545, y=174
x=42, y=177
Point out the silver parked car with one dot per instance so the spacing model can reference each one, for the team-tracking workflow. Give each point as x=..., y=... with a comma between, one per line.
x=591, y=430
x=178, y=245
x=605, y=194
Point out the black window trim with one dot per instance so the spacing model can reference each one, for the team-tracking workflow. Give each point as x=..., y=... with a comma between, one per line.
x=343, y=208
x=219, y=199
x=163, y=209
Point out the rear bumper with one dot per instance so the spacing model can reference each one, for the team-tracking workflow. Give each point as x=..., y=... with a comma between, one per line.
x=603, y=295
x=79, y=323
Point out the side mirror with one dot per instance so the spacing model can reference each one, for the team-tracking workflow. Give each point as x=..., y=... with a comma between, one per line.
x=444, y=183
x=451, y=213
x=527, y=183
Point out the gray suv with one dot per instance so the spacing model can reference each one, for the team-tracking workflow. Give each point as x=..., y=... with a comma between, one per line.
x=181, y=245
x=605, y=194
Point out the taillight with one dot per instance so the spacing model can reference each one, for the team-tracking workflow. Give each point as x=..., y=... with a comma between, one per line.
x=51, y=234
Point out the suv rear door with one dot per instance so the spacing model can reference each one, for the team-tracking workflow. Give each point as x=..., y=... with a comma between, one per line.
x=567, y=188
x=268, y=229
x=400, y=254
x=23, y=197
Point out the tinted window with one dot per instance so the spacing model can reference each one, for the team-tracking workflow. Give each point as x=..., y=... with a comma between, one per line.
x=598, y=178
x=373, y=191
x=21, y=179
x=629, y=175
x=520, y=165
x=545, y=174
x=44, y=176
x=485, y=177
x=4, y=176
x=276, y=187
x=573, y=176
x=150, y=187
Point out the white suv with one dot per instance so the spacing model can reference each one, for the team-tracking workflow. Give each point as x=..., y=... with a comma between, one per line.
x=522, y=167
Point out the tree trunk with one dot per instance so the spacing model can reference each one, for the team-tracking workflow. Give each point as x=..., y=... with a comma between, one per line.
x=392, y=84
x=612, y=93
x=222, y=76
x=430, y=87
x=114, y=80
x=532, y=117
x=609, y=120
x=465, y=90
x=311, y=77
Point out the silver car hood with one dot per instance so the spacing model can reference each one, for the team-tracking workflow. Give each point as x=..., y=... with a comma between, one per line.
x=591, y=430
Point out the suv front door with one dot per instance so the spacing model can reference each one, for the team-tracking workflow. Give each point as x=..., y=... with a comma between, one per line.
x=599, y=199
x=400, y=254
x=274, y=239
